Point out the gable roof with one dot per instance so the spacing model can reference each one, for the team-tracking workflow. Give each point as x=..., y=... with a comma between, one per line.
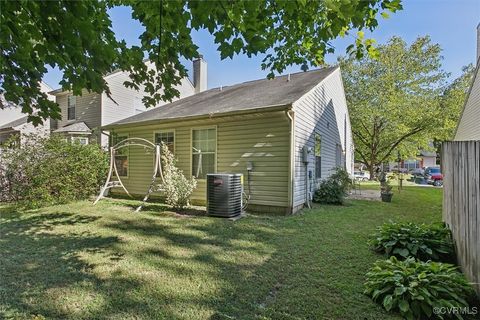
x=467, y=97
x=14, y=123
x=246, y=96
x=75, y=127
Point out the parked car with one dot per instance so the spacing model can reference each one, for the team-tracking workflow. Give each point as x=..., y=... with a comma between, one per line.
x=361, y=175
x=434, y=176
x=418, y=172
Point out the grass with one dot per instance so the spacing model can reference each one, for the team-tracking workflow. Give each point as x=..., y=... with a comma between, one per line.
x=81, y=261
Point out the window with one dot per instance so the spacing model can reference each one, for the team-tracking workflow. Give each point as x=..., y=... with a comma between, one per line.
x=72, y=102
x=338, y=158
x=121, y=156
x=318, y=156
x=167, y=137
x=81, y=140
x=204, y=148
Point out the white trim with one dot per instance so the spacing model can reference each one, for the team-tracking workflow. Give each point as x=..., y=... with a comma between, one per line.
x=127, y=153
x=163, y=131
x=79, y=137
x=69, y=97
x=191, y=147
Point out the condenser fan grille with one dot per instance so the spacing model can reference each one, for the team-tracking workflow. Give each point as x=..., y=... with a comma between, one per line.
x=224, y=194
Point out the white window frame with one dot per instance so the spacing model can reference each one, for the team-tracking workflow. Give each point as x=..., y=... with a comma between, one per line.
x=74, y=98
x=192, y=153
x=318, y=173
x=74, y=138
x=127, y=152
x=166, y=131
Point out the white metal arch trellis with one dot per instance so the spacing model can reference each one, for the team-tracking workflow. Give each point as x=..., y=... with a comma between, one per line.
x=157, y=169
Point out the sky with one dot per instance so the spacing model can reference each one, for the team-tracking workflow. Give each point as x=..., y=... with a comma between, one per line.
x=450, y=23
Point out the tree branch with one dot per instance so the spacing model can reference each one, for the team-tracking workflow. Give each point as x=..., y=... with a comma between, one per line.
x=394, y=145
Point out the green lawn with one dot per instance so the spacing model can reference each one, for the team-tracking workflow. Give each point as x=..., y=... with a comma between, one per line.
x=86, y=262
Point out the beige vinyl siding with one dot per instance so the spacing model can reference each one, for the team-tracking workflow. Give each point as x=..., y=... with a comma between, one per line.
x=322, y=110
x=260, y=138
x=87, y=109
x=469, y=125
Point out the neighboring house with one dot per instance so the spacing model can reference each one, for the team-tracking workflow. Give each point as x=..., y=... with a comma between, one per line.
x=468, y=127
x=83, y=116
x=20, y=128
x=14, y=122
x=424, y=159
x=264, y=124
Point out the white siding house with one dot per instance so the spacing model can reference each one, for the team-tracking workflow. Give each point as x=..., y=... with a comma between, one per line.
x=91, y=110
x=14, y=122
x=469, y=125
x=322, y=124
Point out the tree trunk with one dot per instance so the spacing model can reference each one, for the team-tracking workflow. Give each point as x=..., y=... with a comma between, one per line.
x=371, y=170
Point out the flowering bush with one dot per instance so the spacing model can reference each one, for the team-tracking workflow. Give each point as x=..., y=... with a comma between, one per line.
x=176, y=187
x=49, y=170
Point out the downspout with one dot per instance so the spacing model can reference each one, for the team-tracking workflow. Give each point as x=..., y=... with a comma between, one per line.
x=291, y=116
x=345, y=141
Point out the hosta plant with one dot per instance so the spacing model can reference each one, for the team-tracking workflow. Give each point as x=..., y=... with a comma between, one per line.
x=417, y=289
x=424, y=242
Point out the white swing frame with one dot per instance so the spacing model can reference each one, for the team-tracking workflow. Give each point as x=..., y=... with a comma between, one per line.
x=157, y=169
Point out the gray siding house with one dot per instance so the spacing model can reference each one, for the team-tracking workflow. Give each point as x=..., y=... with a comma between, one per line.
x=14, y=123
x=469, y=125
x=293, y=130
x=83, y=116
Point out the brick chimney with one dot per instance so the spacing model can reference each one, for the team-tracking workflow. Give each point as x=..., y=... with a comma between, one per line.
x=200, y=74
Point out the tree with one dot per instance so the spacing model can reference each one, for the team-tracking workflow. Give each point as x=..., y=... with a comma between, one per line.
x=452, y=102
x=76, y=37
x=394, y=100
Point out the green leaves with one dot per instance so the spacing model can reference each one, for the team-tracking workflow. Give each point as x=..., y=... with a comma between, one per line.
x=394, y=109
x=76, y=37
x=334, y=189
x=414, y=288
x=424, y=242
x=51, y=170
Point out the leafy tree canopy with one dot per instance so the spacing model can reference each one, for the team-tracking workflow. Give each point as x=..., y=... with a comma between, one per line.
x=452, y=102
x=395, y=100
x=77, y=37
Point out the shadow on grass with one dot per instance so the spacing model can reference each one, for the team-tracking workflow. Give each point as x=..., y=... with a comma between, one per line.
x=156, y=208
x=120, y=265
x=34, y=259
x=45, y=269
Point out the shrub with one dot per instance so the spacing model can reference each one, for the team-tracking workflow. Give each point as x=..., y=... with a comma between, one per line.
x=415, y=288
x=333, y=189
x=176, y=187
x=424, y=242
x=49, y=170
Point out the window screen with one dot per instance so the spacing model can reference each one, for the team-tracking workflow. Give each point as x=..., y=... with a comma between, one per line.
x=204, y=148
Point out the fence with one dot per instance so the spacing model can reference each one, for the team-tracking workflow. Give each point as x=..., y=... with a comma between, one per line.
x=461, y=203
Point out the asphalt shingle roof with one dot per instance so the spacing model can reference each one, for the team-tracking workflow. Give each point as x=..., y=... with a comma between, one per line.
x=75, y=127
x=240, y=97
x=14, y=123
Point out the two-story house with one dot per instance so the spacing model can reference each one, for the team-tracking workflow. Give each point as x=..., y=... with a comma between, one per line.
x=83, y=116
x=14, y=123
